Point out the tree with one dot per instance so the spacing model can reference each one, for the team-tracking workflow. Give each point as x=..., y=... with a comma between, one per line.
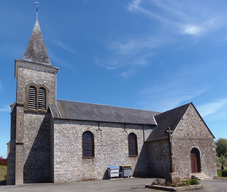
x=221, y=161
x=221, y=147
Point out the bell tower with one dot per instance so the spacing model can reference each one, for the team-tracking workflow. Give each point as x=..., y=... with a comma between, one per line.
x=29, y=157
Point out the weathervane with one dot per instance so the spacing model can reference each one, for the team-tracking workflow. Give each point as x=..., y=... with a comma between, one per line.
x=37, y=5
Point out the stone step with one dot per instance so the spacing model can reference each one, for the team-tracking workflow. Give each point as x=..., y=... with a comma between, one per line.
x=201, y=176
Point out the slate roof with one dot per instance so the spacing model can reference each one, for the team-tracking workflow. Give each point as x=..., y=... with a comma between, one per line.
x=36, y=50
x=167, y=119
x=72, y=110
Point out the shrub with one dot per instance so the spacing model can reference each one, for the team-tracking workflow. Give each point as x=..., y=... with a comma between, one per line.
x=5, y=177
x=188, y=182
x=194, y=182
x=3, y=161
x=224, y=173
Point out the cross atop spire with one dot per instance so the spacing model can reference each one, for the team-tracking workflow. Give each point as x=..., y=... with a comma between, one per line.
x=37, y=6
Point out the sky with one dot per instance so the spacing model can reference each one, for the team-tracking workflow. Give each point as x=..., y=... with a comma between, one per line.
x=145, y=54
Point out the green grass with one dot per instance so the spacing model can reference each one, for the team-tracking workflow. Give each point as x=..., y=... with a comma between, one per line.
x=219, y=174
x=3, y=172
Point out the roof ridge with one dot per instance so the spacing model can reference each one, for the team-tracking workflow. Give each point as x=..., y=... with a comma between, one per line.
x=109, y=105
x=174, y=108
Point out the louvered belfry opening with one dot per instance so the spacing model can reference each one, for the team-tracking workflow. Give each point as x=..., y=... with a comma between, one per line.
x=32, y=97
x=42, y=99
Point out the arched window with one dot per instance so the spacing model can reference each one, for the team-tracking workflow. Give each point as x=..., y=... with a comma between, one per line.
x=36, y=97
x=32, y=95
x=132, y=144
x=88, y=144
x=42, y=98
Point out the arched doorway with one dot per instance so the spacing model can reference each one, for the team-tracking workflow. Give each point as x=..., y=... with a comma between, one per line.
x=195, y=161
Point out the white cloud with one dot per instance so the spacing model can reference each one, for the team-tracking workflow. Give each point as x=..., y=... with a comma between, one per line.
x=192, y=30
x=134, y=5
x=107, y=64
x=58, y=60
x=183, y=17
x=176, y=19
x=218, y=106
x=6, y=109
x=133, y=45
x=175, y=89
x=169, y=95
x=127, y=74
x=59, y=43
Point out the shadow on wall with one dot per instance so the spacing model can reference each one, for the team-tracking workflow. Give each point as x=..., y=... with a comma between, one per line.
x=105, y=176
x=141, y=168
x=37, y=164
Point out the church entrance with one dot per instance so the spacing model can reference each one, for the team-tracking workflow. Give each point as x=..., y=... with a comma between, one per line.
x=195, y=160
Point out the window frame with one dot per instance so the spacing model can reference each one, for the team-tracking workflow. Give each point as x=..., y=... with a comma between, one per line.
x=132, y=145
x=37, y=88
x=91, y=145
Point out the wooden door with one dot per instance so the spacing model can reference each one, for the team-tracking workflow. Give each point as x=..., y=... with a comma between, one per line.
x=194, y=163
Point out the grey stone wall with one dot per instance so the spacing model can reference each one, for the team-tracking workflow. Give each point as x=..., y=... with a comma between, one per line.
x=51, y=149
x=11, y=155
x=110, y=146
x=192, y=132
x=34, y=76
x=158, y=157
x=36, y=147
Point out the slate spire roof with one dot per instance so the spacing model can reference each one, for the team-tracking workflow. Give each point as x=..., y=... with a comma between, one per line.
x=36, y=50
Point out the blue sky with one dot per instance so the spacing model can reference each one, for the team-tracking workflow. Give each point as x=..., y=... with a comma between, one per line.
x=147, y=54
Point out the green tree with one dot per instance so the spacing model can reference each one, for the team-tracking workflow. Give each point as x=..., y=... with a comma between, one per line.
x=221, y=147
x=221, y=161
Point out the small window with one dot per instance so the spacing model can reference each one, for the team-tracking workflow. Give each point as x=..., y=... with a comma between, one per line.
x=88, y=144
x=42, y=99
x=132, y=144
x=32, y=97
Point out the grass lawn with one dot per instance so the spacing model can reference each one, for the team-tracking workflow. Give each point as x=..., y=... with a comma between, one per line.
x=3, y=171
x=219, y=174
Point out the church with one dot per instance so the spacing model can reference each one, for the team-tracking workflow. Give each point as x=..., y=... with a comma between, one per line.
x=55, y=140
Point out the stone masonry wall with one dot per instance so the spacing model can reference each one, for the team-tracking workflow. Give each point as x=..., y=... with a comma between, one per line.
x=110, y=148
x=30, y=76
x=192, y=132
x=11, y=155
x=159, y=158
x=36, y=147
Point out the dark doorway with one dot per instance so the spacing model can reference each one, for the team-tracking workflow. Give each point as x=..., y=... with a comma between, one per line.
x=195, y=160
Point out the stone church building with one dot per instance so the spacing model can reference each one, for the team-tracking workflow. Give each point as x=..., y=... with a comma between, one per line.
x=56, y=140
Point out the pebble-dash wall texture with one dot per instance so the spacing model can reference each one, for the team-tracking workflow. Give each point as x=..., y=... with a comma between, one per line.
x=11, y=155
x=38, y=77
x=190, y=133
x=110, y=146
x=36, y=147
x=158, y=157
x=30, y=129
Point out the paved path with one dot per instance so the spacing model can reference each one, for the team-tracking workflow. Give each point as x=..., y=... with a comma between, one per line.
x=118, y=185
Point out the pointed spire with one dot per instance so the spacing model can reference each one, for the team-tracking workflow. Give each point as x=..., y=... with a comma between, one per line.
x=36, y=50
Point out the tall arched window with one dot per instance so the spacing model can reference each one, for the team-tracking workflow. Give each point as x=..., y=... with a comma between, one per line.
x=132, y=144
x=88, y=144
x=32, y=95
